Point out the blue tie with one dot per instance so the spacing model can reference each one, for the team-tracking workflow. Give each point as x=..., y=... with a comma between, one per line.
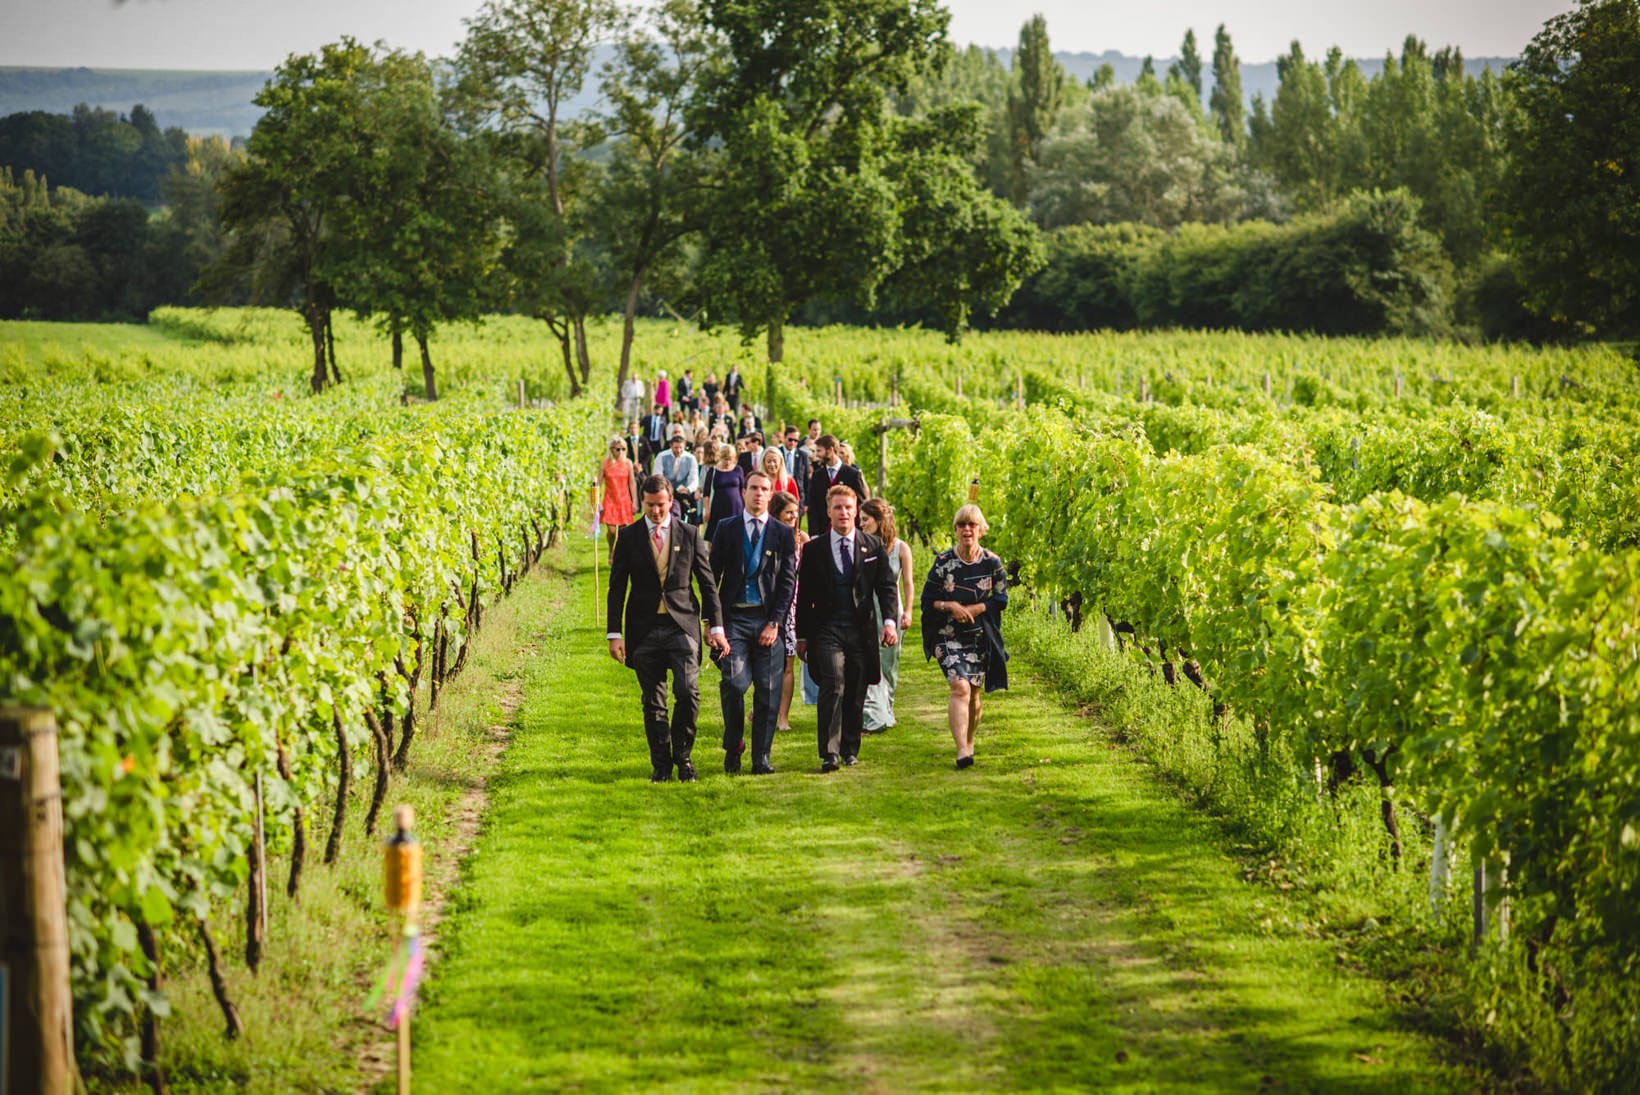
x=848, y=558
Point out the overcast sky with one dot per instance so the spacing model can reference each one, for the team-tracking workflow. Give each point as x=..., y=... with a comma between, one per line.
x=258, y=34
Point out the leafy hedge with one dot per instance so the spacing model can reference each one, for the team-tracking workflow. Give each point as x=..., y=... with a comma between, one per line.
x=1364, y=268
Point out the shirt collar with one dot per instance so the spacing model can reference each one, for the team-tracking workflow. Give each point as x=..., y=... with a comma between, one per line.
x=652, y=526
x=836, y=536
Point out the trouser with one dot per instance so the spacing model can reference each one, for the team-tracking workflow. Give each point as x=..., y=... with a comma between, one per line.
x=668, y=648
x=837, y=658
x=760, y=668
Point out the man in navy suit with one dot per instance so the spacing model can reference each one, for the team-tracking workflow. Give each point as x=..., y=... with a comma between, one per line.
x=658, y=558
x=842, y=572
x=830, y=471
x=754, y=560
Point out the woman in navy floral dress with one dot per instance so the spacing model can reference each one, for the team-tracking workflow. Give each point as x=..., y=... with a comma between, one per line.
x=962, y=602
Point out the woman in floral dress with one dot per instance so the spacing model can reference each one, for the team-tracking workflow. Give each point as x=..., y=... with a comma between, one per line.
x=962, y=603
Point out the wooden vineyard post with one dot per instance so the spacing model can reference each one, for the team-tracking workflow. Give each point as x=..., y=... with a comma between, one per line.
x=1266, y=385
x=1397, y=382
x=1019, y=391
x=959, y=384
x=1144, y=390
x=36, y=1038
x=881, y=429
x=837, y=383
x=1514, y=387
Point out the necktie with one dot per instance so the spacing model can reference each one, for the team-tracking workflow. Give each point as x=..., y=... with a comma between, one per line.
x=847, y=556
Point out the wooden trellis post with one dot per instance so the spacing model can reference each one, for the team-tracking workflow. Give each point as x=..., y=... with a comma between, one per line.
x=881, y=430
x=37, y=1039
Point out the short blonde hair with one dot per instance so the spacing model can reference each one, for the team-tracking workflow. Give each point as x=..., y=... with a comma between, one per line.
x=969, y=512
x=846, y=451
x=773, y=454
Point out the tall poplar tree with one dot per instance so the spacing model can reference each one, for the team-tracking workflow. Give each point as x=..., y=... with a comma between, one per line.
x=1226, y=103
x=1035, y=98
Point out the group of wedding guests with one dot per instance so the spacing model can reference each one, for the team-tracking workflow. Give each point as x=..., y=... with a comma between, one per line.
x=834, y=598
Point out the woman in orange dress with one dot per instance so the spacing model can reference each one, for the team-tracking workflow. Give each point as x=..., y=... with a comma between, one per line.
x=620, y=477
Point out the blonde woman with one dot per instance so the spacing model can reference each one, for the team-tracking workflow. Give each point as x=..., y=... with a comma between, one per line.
x=877, y=518
x=728, y=478
x=620, y=480
x=774, y=466
x=962, y=602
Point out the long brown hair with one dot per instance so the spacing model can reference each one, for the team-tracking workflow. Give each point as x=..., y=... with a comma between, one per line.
x=882, y=513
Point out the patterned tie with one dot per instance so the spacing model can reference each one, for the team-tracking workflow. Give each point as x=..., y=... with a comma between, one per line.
x=659, y=546
x=847, y=555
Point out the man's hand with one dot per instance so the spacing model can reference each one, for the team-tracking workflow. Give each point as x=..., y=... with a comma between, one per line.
x=891, y=636
x=719, y=642
x=617, y=650
x=768, y=635
x=802, y=650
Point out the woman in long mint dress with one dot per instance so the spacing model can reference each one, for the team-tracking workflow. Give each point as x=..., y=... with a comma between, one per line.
x=877, y=519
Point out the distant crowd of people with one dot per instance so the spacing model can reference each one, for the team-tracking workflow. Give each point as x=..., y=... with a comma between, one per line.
x=777, y=549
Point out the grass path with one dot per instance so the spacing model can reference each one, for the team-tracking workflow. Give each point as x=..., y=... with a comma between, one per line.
x=1049, y=920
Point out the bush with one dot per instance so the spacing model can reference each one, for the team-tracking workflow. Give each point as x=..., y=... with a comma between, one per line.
x=1363, y=268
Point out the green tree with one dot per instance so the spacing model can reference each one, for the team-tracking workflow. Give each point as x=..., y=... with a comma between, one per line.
x=1035, y=99
x=640, y=212
x=1571, y=192
x=1143, y=158
x=279, y=204
x=1299, y=143
x=1189, y=65
x=416, y=236
x=517, y=70
x=1226, y=102
x=795, y=123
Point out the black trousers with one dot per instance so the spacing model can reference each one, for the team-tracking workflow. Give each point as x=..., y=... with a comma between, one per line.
x=668, y=648
x=837, y=662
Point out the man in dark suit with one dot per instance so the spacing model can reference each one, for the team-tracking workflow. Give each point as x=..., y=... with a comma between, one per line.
x=841, y=573
x=797, y=466
x=656, y=558
x=829, y=471
x=732, y=385
x=654, y=437
x=754, y=560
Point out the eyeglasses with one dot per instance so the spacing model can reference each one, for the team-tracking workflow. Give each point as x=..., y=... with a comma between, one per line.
x=968, y=524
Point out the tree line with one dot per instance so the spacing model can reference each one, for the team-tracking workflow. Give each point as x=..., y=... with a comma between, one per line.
x=766, y=162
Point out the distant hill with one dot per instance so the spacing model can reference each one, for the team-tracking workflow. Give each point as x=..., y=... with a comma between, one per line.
x=219, y=103
x=203, y=103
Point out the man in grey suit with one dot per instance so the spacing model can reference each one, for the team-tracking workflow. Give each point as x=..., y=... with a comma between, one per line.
x=754, y=560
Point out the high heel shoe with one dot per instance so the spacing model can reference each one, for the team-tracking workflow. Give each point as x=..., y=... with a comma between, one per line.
x=965, y=762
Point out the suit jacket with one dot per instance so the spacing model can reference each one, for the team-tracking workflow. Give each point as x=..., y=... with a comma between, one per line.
x=798, y=469
x=635, y=584
x=732, y=384
x=776, y=576
x=872, y=580
x=653, y=424
x=815, y=498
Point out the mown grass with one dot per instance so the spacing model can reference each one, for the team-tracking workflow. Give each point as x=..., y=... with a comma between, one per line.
x=306, y=1029
x=1052, y=919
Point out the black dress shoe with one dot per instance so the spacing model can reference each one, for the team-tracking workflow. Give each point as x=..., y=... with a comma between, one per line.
x=850, y=761
x=965, y=762
x=731, y=763
x=828, y=765
x=660, y=775
x=686, y=771
x=761, y=766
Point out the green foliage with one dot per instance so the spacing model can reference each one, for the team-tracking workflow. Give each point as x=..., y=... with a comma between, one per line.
x=94, y=151
x=208, y=590
x=1228, y=106
x=1572, y=192
x=1365, y=268
x=1034, y=98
